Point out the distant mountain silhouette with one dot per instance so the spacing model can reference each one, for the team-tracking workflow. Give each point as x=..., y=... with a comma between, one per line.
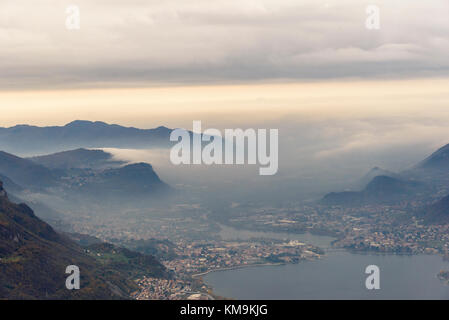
x=130, y=181
x=79, y=158
x=41, y=210
x=25, y=172
x=385, y=185
x=380, y=190
x=375, y=172
x=10, y=185
x=439, y=160
x=107, y=183
x=31, y=140
x=33, y=259
x=434, y=170
x=437, y=213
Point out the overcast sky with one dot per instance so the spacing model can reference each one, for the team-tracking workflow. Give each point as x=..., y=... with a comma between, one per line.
x=344, y=98
x=144, y=42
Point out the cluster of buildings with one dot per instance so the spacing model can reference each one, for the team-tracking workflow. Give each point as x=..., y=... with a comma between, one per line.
x=200, y=257
x=379, y=228
x=175, y=223
x=204, y=256
x=199, y=248
x=408, y=238
x=161, y=289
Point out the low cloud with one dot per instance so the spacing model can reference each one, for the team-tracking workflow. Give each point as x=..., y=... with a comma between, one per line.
x=316, y=156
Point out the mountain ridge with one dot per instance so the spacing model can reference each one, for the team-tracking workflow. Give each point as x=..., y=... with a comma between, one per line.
x=110, y=183
x=437, y=160
x=32, y=140
x=33, y=259
x=436, y=213
x=380, y=190
x=26, y=172
x=77, y=158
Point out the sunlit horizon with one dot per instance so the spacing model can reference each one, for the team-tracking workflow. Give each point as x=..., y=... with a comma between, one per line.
x=177, y=106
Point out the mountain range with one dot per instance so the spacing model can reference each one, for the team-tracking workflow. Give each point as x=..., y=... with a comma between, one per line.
x=423, y=181
x=78, y=158
x=375, y=172
x=127, y=183
x=32, y=140
x=81, y=171
x=25, y=172
x=436, y=213
x=380, y=190
x=34, y=257
x=439, y=160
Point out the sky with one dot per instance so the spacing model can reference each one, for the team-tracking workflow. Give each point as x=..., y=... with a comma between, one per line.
x=345, y=98
x=221, y=106
x=137, y=43
x=135, y=61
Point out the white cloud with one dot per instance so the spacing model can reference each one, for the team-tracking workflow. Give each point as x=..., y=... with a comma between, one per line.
x=215, y=40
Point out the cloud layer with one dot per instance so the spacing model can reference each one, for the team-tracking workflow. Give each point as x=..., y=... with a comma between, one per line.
x=139, y=42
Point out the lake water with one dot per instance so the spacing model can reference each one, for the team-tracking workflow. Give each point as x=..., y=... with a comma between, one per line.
x=338, y=275
x=229, y=233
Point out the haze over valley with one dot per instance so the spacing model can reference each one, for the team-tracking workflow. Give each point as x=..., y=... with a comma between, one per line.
x=345, y=103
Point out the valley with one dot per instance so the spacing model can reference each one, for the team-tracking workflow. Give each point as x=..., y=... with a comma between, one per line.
x=166, y=240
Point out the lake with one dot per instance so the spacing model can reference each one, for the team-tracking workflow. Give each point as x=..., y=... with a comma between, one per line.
x=229, y=233
x=338, y=275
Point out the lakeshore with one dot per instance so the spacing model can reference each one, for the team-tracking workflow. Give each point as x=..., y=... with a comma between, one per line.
x=236, y=268
x=338, y=275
